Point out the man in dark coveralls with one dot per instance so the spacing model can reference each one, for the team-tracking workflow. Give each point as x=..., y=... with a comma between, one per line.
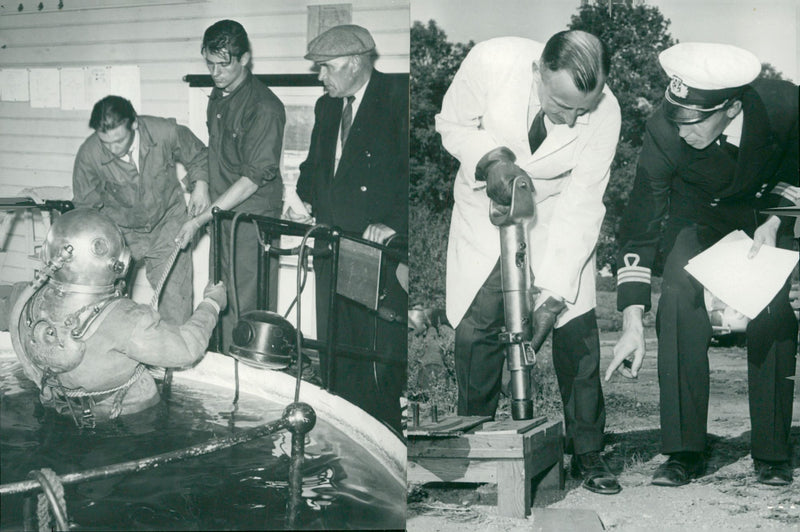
x=722, y=147
x=126, y=170
x=245, y=139
x=356, y=178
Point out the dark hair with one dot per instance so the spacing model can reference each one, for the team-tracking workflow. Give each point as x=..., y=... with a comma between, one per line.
x=226, y=37
x=111, y=112
x=582, y=54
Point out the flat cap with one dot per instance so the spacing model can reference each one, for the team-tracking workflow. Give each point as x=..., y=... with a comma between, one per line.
x=347, y=39
x=704, y=77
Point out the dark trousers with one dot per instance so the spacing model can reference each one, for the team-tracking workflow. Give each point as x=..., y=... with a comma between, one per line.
x=152, y=250
x=684, y=335
x=373, y=386
x=479, y=359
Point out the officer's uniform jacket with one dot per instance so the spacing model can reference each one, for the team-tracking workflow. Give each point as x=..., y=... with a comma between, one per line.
x=490, y=103
x=707, y=187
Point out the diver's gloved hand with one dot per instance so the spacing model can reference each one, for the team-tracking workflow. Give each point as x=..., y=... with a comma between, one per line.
x=216, y=293
x=544, y=318
x=497, y=168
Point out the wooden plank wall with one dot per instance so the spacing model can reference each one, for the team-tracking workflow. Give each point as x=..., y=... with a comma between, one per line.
x=163, y=38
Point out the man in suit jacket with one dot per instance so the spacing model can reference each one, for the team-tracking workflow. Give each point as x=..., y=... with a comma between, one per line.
x=721, y=147
x=508, y=95
x=356, y=178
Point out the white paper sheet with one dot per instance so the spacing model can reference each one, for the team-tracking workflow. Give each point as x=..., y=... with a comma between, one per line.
x=14, y=84
x=746, y=285
x=45, y=87
x=82, y=87
x=73, y=89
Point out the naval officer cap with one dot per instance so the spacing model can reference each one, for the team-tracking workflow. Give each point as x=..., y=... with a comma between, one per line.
x=704, y=77
x=347, y=39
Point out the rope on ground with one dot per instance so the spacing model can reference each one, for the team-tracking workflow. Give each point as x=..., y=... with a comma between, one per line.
x=51, y=504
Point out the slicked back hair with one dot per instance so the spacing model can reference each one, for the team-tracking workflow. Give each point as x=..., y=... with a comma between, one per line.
x=582, y=54
x=226, y=38
x=110, y=113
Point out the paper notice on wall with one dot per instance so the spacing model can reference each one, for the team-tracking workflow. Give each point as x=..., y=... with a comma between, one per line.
x=81, y=88
x=73, y=89
x=14, y=84
x=96, y=83
x=323, y=17
x=45, y=87
x=123, y=80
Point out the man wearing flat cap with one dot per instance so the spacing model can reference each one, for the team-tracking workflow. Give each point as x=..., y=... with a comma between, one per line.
x=722, y=147
x=356, y=178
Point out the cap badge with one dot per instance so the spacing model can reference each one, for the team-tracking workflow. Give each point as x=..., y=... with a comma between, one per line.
x=678, y=87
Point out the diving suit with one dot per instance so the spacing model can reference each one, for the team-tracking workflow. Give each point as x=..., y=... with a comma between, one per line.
x=82, y=340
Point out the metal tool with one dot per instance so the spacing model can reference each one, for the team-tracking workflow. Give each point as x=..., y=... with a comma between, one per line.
x=513, y=221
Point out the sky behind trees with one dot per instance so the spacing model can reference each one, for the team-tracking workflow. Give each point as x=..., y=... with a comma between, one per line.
x=768, y=28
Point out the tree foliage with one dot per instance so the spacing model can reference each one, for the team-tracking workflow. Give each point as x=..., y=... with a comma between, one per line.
x=634, y=37
x=770, y=72
x=434, y=62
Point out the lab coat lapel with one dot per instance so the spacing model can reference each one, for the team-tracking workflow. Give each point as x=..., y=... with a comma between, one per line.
x=557, y=138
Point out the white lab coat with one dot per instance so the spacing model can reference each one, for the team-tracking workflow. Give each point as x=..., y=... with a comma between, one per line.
x=492, y=102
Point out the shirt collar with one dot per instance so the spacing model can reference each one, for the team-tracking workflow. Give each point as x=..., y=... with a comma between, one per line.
x=359, y=95
x=135, y=145
x=733, y=132
x=535, y=105
x=134, y=149
x=218, y=94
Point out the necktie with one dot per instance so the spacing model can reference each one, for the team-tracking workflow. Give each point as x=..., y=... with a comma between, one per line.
x=537, y=132
x=347, y=119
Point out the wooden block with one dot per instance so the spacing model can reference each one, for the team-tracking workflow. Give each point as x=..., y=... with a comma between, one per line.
x=453, y=470
x=447, y=427
x=543, y=457
x=511, y=426
x=510, y=457
x=513, y=492
x=473, y=446
x=547, y=519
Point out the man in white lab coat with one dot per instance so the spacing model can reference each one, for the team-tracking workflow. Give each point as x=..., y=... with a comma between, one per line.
x=517, y=106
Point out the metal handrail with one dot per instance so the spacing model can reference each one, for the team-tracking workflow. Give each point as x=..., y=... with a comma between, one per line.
x=298, y=418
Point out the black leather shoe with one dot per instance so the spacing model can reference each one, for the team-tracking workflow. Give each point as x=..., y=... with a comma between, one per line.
x=679, y=469
x=773, y=473
x=595, y=473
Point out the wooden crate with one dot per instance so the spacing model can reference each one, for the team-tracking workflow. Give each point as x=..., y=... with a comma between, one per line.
x=508, y=453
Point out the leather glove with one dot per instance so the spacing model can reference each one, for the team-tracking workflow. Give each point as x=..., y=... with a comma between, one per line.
x=544, y=318
x=216, y=293
x=497, y=168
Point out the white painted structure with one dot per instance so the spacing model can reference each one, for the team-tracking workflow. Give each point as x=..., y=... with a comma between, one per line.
x=160, y=40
